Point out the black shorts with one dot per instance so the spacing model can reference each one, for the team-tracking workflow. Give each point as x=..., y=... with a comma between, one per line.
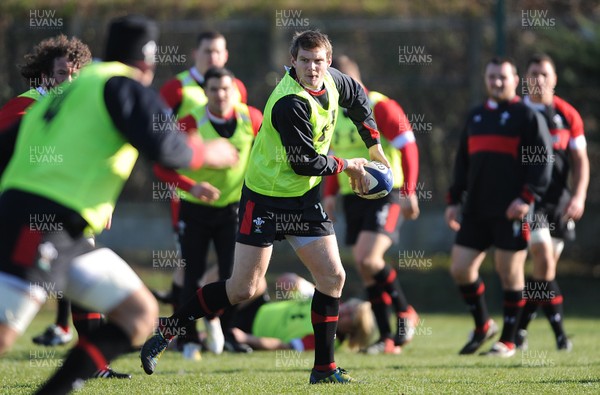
x=500, y=232
x=377, y=215
x=39, y=238
x=260, y=225
x=550, y=215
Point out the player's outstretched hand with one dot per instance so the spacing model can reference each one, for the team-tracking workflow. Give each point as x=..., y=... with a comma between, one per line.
x=376, y=153
x=220, y=153
x=205, y=192
x=358, y=175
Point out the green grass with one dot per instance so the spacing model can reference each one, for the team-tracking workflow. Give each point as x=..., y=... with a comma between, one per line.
x=429, y=365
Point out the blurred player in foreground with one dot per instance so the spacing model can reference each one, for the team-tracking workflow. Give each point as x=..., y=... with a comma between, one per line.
x=52, y=62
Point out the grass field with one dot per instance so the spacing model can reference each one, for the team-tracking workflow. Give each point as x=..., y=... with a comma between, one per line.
x=429, y=365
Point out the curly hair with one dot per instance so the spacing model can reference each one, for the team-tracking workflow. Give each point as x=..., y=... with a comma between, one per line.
x=41, y=60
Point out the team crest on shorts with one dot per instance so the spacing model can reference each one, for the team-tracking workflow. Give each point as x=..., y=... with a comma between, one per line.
x=258, y=222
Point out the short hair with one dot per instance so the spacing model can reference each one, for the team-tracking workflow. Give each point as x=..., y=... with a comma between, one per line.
x=41, y=59
x=208, y=35
x=310, y=39
x=500, y=60
x=218, y=72
x=363, y=324
x=538, y=58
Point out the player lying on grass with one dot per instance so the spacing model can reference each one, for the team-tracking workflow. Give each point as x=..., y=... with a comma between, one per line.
x=285, y=324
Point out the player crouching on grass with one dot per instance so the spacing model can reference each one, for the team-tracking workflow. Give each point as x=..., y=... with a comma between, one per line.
x=114, y=112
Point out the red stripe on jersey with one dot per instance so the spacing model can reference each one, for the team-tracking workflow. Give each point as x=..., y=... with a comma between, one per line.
x=321, y=319
x=246, y=225
x=172, y=93
x=14, y=110
x=340, y=165
x=243, y=91
x=194, y=141
x=391, y=222
x=26, y=247
x=575, y=123
x=373, y=132
x=93, y=352
x=187, y=124
x=256, y=117
x=494, y=143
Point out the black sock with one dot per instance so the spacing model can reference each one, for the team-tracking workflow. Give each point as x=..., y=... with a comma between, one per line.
x=227, y=319
x=62, y=314
x=553, y=308
x=513, y=306
x=531, y=304
x=380, y=309
x=387, y=279
x=324, y=317
x=175, y=295
x=85, y=321
x=474, y=295
x=88, y=356
x=210, y=299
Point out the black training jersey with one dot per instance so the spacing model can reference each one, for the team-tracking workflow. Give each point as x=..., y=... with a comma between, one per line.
x=503, y=154
x=566, y=130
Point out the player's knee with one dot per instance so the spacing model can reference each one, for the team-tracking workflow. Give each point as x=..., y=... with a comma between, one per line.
x=242, y=293
x=145, y=319
x=538, y=250
x=544, y=266
x=137, y=315
x=334, y=281
x=370, y=264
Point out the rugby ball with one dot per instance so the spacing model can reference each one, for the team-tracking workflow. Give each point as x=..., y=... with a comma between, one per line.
x=380, y=178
